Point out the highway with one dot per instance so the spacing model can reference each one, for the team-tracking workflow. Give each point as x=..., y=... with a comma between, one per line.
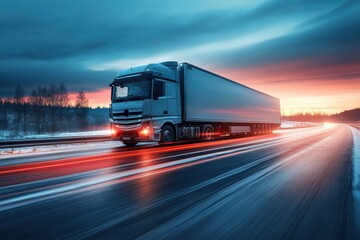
x=293, y=184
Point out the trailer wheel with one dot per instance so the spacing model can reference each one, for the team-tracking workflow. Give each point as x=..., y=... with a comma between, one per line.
x=254, y=130
x=208, y=132
x=130, y=143
x=167, y=134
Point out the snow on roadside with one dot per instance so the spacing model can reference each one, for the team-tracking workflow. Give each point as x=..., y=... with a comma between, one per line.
x=62, y=134
x=7, y=152
x=356, y=172
x=291, y=124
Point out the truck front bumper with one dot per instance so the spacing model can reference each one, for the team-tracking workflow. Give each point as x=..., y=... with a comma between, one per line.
x=145, y=133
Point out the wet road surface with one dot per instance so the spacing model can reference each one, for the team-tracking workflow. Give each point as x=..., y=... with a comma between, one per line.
x=293, y=184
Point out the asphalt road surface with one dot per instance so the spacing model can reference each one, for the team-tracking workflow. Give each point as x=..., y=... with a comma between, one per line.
x=293, y=184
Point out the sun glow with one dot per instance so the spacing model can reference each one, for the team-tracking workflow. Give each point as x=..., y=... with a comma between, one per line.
x=328, y=125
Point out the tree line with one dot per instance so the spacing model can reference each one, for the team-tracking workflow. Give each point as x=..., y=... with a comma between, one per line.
x=345, y=116
x=47, y=110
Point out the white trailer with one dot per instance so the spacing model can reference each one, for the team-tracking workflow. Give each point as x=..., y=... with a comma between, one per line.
x=169, y=101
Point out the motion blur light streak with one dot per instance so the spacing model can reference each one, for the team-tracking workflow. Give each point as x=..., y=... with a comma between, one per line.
x=182, y=163
x=329, y=125
x=288, y=182
x=81, y=161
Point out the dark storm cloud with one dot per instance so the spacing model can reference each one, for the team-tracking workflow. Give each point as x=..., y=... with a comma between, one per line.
x=42, y=74
x=331, y=38
x=53, y=41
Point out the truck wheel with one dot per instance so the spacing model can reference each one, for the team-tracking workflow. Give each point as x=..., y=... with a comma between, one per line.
x=208, y=132
x=254, y=130
x=130, y=143
x=167, y=134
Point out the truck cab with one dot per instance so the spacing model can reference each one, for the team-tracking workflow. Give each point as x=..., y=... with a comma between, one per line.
x=144, y=100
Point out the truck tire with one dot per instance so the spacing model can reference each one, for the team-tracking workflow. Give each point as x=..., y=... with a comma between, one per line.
x=208, y=132
x=167, y=134
x=130, y=143
x=254, y=130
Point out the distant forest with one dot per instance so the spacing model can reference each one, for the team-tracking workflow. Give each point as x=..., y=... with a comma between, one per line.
x=48, y=110
x=352, y=115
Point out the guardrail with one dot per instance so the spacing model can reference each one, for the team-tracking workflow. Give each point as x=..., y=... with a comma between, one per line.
x=51, y=141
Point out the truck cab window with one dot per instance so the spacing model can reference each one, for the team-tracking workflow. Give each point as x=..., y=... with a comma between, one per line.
x=132, y=90
x=121, y=91
x=159, y=89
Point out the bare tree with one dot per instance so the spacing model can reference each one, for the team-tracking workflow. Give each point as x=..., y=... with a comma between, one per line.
x=38, y=102
x=52, y=103
x=19, y=113
x=52, y=95
x=64, y=116
x=81, y=100
x=3, y=114
x=64, y=96
x=19, y=97
x=35, y=110
x=82, y=104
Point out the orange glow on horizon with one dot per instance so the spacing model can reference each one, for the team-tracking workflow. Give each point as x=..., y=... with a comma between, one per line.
x=303, y=86
x=100, y=98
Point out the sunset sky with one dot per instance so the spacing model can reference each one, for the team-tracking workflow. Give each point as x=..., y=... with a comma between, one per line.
x=307, y=53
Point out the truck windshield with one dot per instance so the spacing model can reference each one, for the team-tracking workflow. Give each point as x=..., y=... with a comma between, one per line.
x=132, y=90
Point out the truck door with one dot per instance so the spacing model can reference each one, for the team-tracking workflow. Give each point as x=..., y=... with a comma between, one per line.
x=160, y=105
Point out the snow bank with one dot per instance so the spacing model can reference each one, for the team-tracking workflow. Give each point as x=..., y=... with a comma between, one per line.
x=291, y=124
x=5, y=135
x=6, y=152
x=356, y=173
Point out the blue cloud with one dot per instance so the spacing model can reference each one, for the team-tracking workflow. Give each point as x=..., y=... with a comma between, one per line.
x=64, y=41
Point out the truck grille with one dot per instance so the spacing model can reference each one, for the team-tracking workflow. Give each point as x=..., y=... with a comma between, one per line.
x=128, y=121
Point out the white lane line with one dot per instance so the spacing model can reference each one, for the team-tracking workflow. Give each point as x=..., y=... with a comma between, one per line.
x=356, y=173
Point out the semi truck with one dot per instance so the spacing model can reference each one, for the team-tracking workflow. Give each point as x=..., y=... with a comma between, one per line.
x=170, y=101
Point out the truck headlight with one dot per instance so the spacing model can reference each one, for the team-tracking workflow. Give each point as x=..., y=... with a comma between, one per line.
x=114, y=131
x=145, y=130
